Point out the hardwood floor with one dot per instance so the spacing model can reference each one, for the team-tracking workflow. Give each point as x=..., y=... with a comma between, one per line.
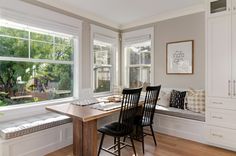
x=167, y=146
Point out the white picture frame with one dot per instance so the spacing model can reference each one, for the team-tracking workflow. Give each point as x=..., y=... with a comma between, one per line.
x=179, y=57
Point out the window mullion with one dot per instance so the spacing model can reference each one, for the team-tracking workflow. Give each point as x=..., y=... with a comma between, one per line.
x=53, y=57
x=29, y=44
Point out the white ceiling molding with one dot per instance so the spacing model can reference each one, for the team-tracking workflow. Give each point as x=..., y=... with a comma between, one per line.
x=165, y=16
x=80, y=12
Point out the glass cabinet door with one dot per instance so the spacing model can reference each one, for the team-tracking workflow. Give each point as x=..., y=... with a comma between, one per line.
x=217, y=7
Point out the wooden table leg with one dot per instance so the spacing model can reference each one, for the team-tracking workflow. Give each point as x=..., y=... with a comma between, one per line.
x=84, y=138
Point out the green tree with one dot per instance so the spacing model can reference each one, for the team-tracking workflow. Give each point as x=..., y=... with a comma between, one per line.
x=42, y=46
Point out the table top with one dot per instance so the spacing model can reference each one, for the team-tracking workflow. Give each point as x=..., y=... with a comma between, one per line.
x=83, y=113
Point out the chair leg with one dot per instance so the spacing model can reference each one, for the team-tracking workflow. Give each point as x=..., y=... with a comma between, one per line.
x=118, y=146
x=124, y=139
x=153, y=135
x=114, y=143
x=142, y=135
x=136, y=133
x=132, y=141
x=100, y=146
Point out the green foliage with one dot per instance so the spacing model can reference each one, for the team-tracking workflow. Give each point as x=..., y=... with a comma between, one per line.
x=14, y=32
x=15, y=43
x=64, y=83
x=2, y=103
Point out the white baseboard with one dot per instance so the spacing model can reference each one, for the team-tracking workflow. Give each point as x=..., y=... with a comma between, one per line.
x=180, y=127
x=39, y=143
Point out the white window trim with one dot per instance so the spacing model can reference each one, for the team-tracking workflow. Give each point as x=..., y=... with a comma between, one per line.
x=115, y=56
x=74, y=29
x=124, y=62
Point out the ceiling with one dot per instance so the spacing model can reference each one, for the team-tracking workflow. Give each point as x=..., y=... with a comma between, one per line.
x=127, y=13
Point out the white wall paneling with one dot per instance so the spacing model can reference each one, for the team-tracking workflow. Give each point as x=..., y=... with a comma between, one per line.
x=39, y=143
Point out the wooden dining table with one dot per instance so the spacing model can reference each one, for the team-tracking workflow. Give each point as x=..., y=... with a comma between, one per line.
x=84, y=126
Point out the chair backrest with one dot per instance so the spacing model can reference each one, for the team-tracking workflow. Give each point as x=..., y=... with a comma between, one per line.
x=152, y=93
x=129, y=106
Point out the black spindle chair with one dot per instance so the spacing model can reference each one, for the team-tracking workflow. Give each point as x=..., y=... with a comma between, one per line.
x=147, y=113
x=124, y=126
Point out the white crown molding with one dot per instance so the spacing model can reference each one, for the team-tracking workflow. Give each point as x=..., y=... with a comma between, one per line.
x=81, y=13
x=165, y=16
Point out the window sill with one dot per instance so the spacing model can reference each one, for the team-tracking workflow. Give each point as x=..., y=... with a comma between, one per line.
x=102, y=94
x=35, y=104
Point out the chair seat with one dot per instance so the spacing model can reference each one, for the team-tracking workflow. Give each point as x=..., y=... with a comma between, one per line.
x=142, y=121
x=116, y=129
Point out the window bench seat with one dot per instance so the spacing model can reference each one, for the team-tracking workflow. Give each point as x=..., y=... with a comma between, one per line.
x=20, y=127
x=35, y=135
x=180, y=113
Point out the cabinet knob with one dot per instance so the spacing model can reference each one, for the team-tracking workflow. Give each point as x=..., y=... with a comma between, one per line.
x=234, y=7
x=229, y=9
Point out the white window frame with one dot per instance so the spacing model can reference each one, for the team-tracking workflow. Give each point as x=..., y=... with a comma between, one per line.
x=125, y=60
x=52, y=25
x=114, y=40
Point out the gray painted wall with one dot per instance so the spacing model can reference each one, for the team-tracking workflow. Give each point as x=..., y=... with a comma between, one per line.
x=190, y=27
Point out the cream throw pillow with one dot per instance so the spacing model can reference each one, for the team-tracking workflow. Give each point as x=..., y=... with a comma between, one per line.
x=196, y=101
x=164, y=98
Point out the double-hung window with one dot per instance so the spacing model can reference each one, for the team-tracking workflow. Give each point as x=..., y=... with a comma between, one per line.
x=138, y=55
x=35, y=64
x=104, y=51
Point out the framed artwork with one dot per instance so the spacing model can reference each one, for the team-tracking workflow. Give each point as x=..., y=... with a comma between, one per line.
x=179, y=57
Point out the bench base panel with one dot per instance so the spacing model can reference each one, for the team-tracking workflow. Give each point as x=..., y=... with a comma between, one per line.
x=39, y=143
x=180, y=127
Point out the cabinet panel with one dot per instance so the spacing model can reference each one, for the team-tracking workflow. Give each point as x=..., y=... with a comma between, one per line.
x=222, y=118
x=221, y=136
x=234, y=54
x=219, y=57
x=221, y=103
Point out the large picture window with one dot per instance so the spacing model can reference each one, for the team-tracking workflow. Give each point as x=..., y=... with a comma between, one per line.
x=35, y=64
x=137, y=58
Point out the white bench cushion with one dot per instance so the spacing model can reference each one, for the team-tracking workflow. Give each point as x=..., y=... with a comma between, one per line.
x=180, y=113
x=20, y=127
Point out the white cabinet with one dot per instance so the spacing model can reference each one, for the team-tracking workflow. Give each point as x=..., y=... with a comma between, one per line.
x=221, y=73
x=219, y=56
x=224, y=118
x=226, y=137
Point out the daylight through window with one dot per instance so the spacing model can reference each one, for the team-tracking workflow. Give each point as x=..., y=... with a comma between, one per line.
x=35, y=64
x=102, y=66
x=139, y=64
